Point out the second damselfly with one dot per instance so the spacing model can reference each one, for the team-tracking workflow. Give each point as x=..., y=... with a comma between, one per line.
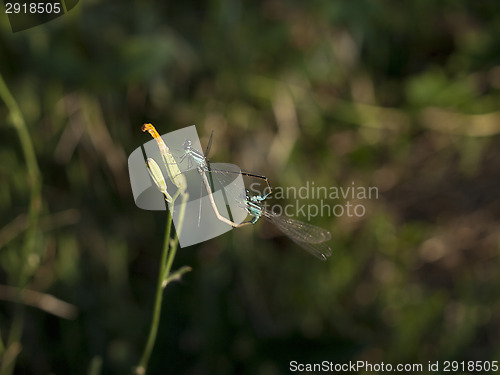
x=310, y=237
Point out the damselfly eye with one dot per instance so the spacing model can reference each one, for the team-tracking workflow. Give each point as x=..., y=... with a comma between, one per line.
x=187, y=144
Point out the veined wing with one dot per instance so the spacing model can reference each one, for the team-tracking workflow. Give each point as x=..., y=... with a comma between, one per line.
x=307, y=236
x=304, y=231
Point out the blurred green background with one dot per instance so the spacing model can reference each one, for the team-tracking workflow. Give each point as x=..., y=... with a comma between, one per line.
x=403, y=96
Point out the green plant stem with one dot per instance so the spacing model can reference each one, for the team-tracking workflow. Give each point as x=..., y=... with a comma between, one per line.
x=34, y=176
x=35, y=184
x=167, y=259
x=141, y=369
x=173, y=250
x=176, y=275
x=13, y=343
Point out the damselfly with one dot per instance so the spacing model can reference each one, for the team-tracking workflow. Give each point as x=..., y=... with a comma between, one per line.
x=309, y=237
x=202, y=164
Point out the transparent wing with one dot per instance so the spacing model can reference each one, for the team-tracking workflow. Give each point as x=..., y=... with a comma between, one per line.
x=222, y=176
x=305, y=232
x=307, y=236
x=319, y=250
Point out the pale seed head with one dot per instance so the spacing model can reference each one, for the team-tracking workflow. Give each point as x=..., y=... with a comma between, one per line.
x=157, y=176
